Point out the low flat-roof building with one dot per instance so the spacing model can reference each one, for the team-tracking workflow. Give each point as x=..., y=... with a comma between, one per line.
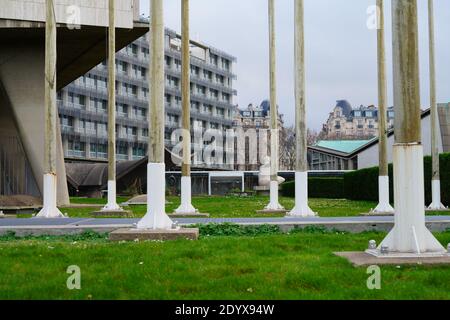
x=360, y=154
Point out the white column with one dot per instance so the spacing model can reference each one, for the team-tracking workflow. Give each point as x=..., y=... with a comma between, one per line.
x=383, y=180
x=409, y=235
x=156, y=217
x=435, y=183
x=274, y=203
x=112, y=202
x=50, y=209
x=186, y=206
x=301, y=208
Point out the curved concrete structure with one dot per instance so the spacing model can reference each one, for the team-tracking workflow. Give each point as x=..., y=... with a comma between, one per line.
x=81, y=45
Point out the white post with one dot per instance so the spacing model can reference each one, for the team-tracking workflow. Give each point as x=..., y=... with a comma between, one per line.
x=50, y=209
x=384, y=205
x=186, y=206
x=112, y=201
x=274, y=204
x=301, y=208
x=156, y=217
x=435, y=183
x=409, y=235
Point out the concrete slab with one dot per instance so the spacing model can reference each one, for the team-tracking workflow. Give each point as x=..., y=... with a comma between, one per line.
x=190, y=216
x=114, y=214
x=378, y=214
x=162, y=235
x=286, y=224
x=272, y=211
x=361, y=259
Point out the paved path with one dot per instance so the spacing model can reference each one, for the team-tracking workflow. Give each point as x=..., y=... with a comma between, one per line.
x=76, y=225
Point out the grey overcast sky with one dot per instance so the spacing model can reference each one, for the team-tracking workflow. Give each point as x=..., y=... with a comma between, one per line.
x=340, y=49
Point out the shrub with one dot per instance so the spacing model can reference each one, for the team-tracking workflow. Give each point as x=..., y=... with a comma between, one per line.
x=330, y=188
x=363, y=184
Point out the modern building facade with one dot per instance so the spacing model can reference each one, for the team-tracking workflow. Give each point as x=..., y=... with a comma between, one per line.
x=83, y=103
x=346, y=122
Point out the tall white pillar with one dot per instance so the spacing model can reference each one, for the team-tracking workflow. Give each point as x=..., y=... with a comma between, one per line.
x=301, y=208
x=409, y=235
x=156, y=217
x=112, y=194
x=186, y=206
x=436, y=179
x=274, y=204
x=384, y=205
x=50, y=209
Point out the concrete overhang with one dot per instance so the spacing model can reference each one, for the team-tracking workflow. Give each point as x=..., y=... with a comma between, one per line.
x=79, y=50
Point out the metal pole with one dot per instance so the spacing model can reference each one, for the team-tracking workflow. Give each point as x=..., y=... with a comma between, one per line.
x=186, y=88
x=49, y=209
x=186, y=194
x=436, y=185
x=274, y=204
x=410, y=234
x=112, y=204
x=301, y=176
x=383, y=179
x=156, y=218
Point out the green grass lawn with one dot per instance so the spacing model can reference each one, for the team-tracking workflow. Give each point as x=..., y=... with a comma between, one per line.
x=269, y=266
x=235, y=207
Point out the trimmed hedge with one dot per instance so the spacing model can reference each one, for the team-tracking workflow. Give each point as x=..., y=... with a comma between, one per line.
x=363, y=184
x=331, y=188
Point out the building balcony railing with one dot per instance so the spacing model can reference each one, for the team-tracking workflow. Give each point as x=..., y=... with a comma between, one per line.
x=76, y=153
x=98, y=155
x=121, y=157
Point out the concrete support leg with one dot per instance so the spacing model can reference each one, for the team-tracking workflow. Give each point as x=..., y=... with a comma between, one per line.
x=186, y=196
x=383, y=195
x=410, y=234
x=274, y=205
x=436, y=203
x=156, y=217
x=112, y=202
x=50, y=209
x=301, y=208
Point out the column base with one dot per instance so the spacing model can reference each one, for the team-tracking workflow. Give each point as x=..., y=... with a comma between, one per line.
x=383, y=207
x=156, y=217
x=436, y=204
x=186, y=207
x=112, y=205
x=50, y=210
x=274, y=205
x=301, y=208
x=409, y=235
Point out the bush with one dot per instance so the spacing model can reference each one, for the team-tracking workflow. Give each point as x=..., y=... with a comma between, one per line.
x=363, y=184
x=329, y=188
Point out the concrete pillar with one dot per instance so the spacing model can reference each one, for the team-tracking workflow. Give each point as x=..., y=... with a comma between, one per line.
x=156, y=217
x=301, y=175
x=435, y=182
x=410, y=235
x=112, y=202
x=383, y=179
x=186, y=192
x=50, y=209
x=274, y=204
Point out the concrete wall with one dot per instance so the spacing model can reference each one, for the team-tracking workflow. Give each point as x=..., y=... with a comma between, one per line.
x=369, y=157
x=91, y=12
x=22, y=78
